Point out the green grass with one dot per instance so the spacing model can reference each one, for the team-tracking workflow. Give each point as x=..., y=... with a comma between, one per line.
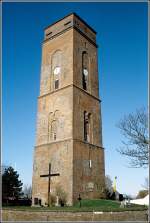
x=87, y=205
x=99, y=203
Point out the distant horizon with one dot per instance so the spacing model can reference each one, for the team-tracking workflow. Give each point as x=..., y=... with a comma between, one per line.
x=122, y=36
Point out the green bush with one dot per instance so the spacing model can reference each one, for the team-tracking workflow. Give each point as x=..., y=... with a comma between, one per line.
x=62, y=195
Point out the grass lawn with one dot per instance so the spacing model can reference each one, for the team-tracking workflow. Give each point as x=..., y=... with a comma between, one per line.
x=87, y=205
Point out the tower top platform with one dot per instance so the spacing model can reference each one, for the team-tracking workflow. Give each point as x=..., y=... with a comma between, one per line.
x=70, y=21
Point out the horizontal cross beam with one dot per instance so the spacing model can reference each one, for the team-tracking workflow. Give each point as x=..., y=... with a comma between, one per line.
x=50, y=175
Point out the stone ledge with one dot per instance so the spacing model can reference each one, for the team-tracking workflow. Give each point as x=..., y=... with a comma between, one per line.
x=70, y=85
x=16, y=215
x=70, y=139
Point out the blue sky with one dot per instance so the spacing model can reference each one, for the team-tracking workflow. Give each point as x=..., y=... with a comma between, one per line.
x=122, y=39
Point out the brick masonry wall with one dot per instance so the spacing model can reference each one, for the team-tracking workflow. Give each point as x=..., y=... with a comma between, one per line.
x=82, y=44
x=84, y=102
x=88, y=180
x=60, y=156
x=12, y=215
x=62, y=109
x=63, y=43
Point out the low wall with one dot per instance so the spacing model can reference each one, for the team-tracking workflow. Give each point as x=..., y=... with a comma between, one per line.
x=15, y=215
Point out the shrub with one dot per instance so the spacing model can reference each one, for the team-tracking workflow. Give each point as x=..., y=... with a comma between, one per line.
x=142, y=193
x=107, y=194
x=53, y=199
x=62, y=195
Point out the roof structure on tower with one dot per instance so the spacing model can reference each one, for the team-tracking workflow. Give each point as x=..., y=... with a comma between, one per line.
x=75, y=14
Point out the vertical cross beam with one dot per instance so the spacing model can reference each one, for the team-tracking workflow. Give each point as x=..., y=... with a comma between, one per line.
x=49, y=184
x=49, y=175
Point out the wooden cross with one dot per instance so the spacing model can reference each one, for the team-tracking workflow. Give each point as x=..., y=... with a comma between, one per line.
x=49, y=175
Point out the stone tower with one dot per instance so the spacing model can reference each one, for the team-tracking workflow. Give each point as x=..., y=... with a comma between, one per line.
x=69, y=132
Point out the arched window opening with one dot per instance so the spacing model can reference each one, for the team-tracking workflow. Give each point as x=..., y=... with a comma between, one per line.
x=87, y=126
x=85, y=70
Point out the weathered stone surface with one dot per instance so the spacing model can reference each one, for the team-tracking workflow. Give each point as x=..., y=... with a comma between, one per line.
x=9, y=215
x=60, y=119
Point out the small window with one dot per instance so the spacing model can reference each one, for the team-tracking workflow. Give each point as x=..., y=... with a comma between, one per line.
x=56, y=84
x=67, y=23
x=47, y=34
x=36, y=201
x=86, y=126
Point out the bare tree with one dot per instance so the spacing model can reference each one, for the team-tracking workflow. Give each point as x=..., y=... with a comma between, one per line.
x=134, y=128
x=27, y=190
x=109, y=183
x=108, y=187
x=146, y=184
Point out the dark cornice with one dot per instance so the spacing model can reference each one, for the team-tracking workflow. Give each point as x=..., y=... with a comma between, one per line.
x=73, y=13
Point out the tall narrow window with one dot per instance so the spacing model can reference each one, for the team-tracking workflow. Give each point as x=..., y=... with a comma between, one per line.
x=56, y=77
x=56, y=69
x=86, y=126
x=85, y=70
x=54, y=130
x=56, y=84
